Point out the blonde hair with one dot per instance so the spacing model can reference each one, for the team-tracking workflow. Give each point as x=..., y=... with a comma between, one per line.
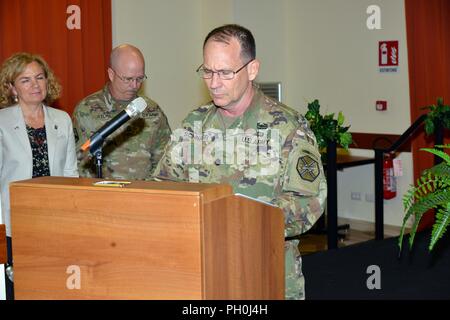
x=14, y=66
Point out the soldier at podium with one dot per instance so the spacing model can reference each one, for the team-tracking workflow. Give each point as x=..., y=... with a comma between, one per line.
x=262, y=148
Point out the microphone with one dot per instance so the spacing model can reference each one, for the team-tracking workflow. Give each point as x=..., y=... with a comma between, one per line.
x=132, y=110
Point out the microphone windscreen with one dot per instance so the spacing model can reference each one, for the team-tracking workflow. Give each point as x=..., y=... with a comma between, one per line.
x=136, y=107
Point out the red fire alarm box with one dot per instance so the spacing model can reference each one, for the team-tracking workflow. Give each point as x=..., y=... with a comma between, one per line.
x=381, y=105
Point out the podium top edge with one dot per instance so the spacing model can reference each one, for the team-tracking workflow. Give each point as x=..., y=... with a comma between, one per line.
x=169, y=187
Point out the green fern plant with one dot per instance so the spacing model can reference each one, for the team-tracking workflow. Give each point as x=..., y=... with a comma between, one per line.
x=432, y=191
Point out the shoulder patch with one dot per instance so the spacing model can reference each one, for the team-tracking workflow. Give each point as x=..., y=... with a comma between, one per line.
x=304, y=169
x=308, y=168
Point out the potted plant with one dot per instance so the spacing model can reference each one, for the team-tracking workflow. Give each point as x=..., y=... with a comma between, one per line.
x=330, y=133
x=437, y=113
x=326, y=128
x=432, y=189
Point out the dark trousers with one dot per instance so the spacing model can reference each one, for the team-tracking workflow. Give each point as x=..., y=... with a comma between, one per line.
x=9, y=283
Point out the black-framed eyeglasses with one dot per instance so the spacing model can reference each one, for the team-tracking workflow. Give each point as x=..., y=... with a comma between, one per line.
x=205, y=73
x=127, y=80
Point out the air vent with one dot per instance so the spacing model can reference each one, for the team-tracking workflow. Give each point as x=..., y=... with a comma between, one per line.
x=272, y=89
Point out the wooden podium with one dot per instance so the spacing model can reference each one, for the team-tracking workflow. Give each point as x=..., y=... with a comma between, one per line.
x=147, y=240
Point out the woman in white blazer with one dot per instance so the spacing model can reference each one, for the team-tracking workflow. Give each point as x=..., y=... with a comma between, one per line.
x=35, y=139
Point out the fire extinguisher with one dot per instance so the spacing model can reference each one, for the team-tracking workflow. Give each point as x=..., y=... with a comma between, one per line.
x=389, y=183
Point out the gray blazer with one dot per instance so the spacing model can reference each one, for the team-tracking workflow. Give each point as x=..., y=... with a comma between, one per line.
x=16, y=161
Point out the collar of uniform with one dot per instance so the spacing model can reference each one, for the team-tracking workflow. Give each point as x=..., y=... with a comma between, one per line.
x=111, y=102
x=251, y=114
x=248, y=118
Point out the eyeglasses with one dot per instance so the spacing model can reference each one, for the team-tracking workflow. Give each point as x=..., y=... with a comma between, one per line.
x=127, y=80
x=223, y=74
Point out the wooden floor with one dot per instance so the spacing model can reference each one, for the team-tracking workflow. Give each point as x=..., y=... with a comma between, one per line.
x=310, y=243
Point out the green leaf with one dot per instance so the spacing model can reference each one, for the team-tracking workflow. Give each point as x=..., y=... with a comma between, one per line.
x=440, y=225
x=314, y=107
x=326, y=128
x=441, y=172
x=438, y=112
x=419, y=206
x=345, y=139
x=341, y=119
x=438, y=153
x=429, y=127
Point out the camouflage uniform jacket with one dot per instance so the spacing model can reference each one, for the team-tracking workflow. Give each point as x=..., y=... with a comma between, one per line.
x=287, y=172
x=131, y=152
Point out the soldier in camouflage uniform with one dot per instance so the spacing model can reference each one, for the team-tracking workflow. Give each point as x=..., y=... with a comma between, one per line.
x=133, y=151
x=259, y=146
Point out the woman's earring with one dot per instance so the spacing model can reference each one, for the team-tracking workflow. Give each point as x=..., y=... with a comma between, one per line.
x=16, y=99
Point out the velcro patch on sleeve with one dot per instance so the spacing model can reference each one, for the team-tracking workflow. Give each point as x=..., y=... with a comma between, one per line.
x=303, y=169
x=308, y=168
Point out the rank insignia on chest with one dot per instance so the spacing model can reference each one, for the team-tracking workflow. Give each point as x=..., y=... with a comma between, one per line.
x=262, y=126
x=308, y=168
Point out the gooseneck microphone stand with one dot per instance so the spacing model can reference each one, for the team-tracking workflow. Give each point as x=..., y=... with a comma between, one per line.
x=98, y=154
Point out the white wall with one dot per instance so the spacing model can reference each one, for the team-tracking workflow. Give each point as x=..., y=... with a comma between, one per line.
x=360, y=179
x=169, y=33
x=318, y=49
